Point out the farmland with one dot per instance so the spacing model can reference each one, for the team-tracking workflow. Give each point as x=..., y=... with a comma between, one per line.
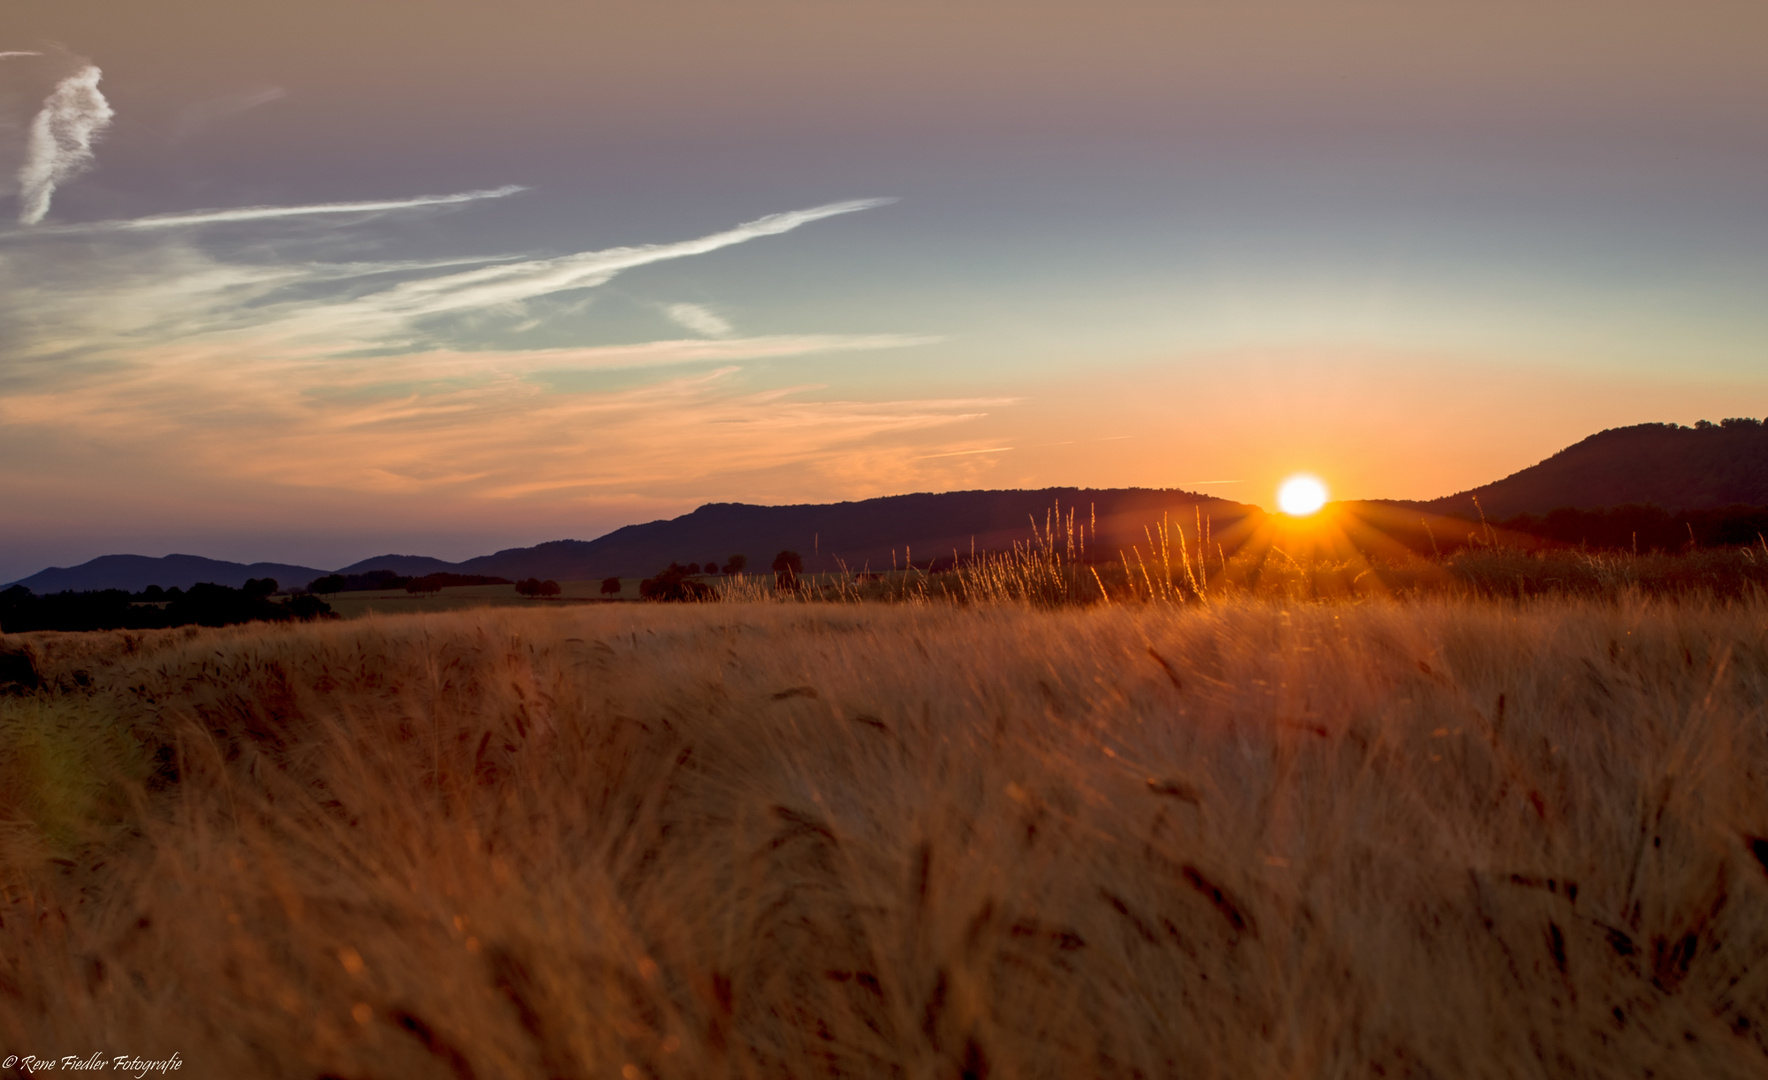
x=1449, y=837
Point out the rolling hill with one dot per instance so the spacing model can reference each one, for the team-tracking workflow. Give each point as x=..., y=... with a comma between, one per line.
x=1677, y=468
x=872, y=533
x=1664, y=465
x=137, y=572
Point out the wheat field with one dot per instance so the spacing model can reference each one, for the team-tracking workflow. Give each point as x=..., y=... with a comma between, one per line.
x=1435, y=838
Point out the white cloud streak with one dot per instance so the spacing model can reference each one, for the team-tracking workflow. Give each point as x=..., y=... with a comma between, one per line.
x=661, y=353
x=231, y=215
x=61, y=140
x=5, y=55
x=217, y=371
x=699, y=319
x=521, y=281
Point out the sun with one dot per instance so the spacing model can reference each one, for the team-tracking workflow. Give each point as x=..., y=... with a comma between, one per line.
x=1301, y=495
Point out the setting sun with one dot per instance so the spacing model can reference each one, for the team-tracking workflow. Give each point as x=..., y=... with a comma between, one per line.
x=1301, y=495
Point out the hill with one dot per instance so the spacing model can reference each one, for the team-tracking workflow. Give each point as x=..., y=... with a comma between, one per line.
x=403, y=565
x=137, y=572
x=1665, y=465
x=872, y=533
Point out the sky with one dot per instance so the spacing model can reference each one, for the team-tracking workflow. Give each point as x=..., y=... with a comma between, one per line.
x=315, y=282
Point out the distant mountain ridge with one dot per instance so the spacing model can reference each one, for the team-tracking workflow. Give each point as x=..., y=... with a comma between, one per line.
x=874, y=533
x=1673, y=467
x=1665, y=465
x=137, y=572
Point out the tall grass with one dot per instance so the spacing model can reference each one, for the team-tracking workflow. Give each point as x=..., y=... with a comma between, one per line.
x=1181, y=565
x=1242, y=838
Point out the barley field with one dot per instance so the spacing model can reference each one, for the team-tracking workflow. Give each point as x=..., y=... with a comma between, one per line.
x=1437, y=837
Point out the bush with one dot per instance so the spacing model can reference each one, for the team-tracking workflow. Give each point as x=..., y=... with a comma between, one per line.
x=787, y=565
x=672, y=584
x=372, y=580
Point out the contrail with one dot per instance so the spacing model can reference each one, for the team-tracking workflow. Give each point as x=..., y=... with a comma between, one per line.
x=61, y=140
x=521, y=281
x=259, y=213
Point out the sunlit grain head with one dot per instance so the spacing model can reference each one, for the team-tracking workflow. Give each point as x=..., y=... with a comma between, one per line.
x=1301, y=495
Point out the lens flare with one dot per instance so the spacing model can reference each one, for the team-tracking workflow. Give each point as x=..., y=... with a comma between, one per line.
x=1301, y=495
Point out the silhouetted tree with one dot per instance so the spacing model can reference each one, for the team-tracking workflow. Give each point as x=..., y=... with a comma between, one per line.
x=736, y=564
x=429, y=583
x=259, y=587
x=711, y=566
x=610, y=586
x=693, y=568
x=537, y=587
x=368, y=581
x=787, y=565
x=673, y=584
x=308, y=607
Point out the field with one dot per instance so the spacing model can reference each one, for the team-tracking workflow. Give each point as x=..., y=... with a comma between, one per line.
x=1435, y=837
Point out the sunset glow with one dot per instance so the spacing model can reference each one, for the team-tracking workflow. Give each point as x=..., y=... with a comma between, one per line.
x=1301, y=495
x=307, y=286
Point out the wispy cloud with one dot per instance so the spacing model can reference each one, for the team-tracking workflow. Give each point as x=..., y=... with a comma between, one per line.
x=966, y=453
x=61, y=140
x=231, y=215
x=699, y=319
x=304, y=374
x=16, y=52
x=652, y=354
x=516, y=282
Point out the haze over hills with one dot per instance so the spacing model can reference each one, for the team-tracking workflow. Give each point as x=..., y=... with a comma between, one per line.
x=1673, y=467
x=872, y=533
x=1664, y=465
x=137, y=572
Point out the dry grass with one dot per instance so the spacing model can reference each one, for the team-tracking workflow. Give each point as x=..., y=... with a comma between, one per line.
x=1239, y=840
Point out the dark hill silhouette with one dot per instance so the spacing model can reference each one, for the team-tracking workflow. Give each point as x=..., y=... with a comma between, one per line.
x=1676, y=468
x=1683, y=471
x=858, y=534
x=864, y=534
x=137, y=572
x=402, y=565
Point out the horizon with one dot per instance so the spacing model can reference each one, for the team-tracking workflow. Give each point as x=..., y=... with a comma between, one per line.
x=278, y=293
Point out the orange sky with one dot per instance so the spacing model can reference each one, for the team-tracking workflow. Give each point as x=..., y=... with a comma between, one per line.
x=539, y=270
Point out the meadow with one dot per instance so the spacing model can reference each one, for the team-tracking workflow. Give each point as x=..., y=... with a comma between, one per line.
x=1430, y=837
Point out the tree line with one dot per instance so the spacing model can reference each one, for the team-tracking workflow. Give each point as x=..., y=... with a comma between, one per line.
x=383, y=580
x=1645, y=528
x=675, y=582
x=203, y=604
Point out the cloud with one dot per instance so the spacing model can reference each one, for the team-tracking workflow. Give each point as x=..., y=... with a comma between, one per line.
x=130, y=299
x=4, y=55
x=396, y=316
x=230, y=215
x=61, y=140
x=195, y=372
x=652, y=354
x=700, y=320
x=516, y=282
